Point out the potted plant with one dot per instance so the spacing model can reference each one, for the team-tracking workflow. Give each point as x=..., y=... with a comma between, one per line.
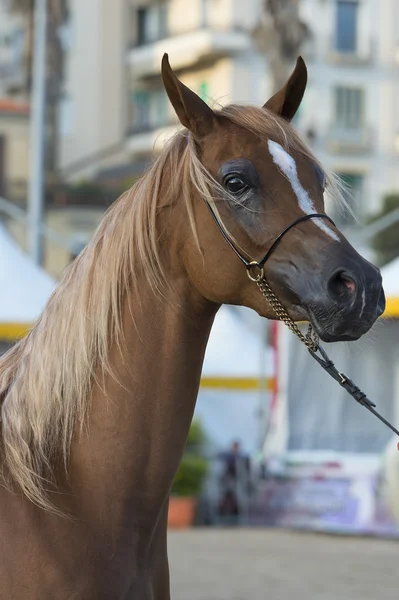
x=189, y=480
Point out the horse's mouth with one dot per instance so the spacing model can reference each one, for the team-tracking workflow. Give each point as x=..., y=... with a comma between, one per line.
x=333, y=330
x=342, y=330
x=329, y=336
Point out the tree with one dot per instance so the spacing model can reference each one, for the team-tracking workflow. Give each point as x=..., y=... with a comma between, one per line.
x=386, y=243
x=57, y=15
x=280, y=35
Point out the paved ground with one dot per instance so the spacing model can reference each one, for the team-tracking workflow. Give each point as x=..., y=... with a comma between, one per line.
x=209, y=564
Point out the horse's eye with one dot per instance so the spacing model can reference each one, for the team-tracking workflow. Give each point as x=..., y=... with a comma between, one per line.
x=235, y=185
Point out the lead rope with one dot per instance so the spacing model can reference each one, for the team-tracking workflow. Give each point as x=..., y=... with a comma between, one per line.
x=311, y=341
x=255, y=271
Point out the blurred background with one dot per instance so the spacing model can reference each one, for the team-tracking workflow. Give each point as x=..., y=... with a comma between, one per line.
x=274, y=443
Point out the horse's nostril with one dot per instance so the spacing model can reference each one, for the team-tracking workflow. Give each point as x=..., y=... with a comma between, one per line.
x=348, y=283
x=341, y=285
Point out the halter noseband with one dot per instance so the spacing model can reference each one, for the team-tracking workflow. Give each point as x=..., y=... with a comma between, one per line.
x=253, y=264
x=255, y=271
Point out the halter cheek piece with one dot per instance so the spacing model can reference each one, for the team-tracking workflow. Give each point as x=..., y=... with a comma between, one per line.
x=256, y=273
x=253, y=264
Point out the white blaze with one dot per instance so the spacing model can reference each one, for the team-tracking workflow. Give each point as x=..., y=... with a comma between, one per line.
x=287, y=165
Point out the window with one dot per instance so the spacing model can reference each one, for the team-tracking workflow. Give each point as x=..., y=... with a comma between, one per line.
x=76, y=247
x=349, y=108
x=141, y=110
x=204, y=13
x=66, y=34
x=162, y=20
x=150, y=109
x=12, y=45
x=143, y=25
x=152, y=23
x=346, y=26
x=18, y=42
x=159, y=106
x=203, y=91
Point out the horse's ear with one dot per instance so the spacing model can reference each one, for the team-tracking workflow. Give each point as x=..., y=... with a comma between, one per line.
x=286, y=102
x=193, y=113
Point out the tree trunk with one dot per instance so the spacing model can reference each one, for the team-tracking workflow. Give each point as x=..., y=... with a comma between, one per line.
x=280, y=36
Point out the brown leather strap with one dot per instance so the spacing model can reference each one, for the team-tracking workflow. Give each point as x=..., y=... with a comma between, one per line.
x=276, y=242
x=314, y=348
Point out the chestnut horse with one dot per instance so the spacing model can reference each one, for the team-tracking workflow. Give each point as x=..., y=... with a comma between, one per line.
x=97, y=400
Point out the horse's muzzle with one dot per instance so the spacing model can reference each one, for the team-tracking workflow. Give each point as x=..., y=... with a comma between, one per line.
x=350, y=300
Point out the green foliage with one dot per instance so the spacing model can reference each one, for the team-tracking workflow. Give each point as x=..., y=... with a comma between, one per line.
x=193, y=467
x=386, y=243
x=196, y=437
x=190, y=476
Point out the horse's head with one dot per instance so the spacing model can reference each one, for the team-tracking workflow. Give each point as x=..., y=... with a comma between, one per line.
x=259, y=177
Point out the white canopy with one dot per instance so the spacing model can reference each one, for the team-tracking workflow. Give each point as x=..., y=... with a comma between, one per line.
x=237, y=368
x=390, y=277
x=235, y=362
x=234, y=350
x=25, y=288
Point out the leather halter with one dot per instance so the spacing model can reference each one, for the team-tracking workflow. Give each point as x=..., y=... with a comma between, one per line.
x=255, y=264
x=312, y=343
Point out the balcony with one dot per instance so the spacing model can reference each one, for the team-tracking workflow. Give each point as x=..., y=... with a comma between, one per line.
x=349, y=140
x=362, y=54
x=148, y=139
x=187, y=49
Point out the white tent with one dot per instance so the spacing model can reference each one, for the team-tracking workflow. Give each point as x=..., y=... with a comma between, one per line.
x=390, y=276
x=25, y=289
x=391, y=455
x=313, y=413
x=234, y=351
x=237, y=367
x=235, y=381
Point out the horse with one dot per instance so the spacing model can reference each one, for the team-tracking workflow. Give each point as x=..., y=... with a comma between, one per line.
x=97, y=400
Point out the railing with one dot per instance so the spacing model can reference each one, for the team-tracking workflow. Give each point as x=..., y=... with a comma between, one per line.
x=347, y=139
x=359, y=55
x=181, y=32
x=20, y=216
x=163, y=30
x=138, y=128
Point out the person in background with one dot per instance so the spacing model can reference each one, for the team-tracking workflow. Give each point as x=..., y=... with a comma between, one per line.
x=234, y=482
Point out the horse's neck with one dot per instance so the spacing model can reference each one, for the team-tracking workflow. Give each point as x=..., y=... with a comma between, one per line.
x=139, y=420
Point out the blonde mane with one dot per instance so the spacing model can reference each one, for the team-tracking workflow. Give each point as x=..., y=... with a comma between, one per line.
x=46, y=378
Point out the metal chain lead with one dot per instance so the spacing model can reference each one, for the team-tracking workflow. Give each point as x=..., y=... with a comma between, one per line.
x=311, y=339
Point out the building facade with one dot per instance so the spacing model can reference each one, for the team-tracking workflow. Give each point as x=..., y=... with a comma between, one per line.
x=14, y=109
x=210, y=48
x=349, y=111
x=115, y=115
x=351, y=103
x=14, y=150
x=93, y=107
x=13, y=44
x=115, y=105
